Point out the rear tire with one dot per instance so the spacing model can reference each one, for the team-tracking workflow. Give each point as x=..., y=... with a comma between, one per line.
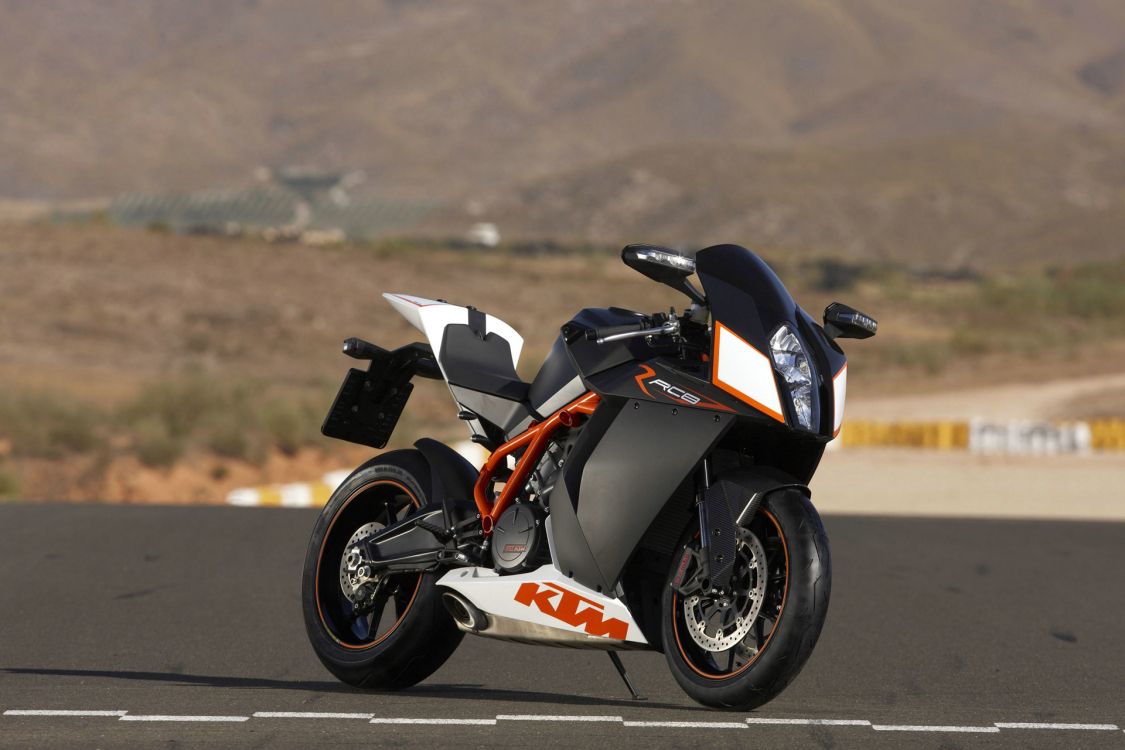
x=419, y=634
x=786, y=626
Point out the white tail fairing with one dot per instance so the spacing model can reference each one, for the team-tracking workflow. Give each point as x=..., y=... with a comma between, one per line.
x=431, y=316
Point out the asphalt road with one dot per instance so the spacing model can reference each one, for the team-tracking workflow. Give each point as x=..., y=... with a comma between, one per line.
x=195, y=612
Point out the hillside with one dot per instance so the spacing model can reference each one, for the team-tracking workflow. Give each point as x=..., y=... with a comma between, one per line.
x=991, y=201
x=466, y=100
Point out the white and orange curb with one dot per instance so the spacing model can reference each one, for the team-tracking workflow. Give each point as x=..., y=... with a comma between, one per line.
x=316, y=494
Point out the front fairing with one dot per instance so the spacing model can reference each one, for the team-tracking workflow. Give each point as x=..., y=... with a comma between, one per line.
x=748, y=305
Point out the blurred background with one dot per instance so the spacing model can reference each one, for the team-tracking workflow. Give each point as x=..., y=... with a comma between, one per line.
x=199, y=201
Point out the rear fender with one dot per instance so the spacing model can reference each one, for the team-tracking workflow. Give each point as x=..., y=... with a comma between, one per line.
x=419, y=541
x=451, y=480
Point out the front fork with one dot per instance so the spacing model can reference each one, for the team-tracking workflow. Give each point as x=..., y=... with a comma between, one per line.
x=701, y=508
x=718, y=538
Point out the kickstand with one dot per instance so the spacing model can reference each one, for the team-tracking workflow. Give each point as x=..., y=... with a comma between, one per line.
x=613, y=657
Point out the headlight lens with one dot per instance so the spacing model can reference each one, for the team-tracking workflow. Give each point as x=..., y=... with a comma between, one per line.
x=792, y=362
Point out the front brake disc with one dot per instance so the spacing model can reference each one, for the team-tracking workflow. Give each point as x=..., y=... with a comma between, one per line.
x=718, y=621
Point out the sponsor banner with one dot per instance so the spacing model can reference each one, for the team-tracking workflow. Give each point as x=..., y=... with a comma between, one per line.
x=1026, y=437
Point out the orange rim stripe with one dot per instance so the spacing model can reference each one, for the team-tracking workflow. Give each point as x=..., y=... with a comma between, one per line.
x=320, y=556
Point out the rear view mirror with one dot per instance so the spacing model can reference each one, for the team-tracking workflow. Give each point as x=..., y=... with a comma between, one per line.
x=663, y=265
x=843, y=322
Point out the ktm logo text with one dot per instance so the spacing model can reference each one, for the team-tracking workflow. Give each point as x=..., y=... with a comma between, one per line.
x=562, y=604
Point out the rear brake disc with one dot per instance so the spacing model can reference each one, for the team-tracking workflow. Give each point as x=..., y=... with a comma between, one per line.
x=355, y=568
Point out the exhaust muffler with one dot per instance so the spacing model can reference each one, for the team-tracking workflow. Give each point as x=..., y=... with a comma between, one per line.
x=464, y=612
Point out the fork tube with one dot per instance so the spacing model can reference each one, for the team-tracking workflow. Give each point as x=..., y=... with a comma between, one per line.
x=705, y=483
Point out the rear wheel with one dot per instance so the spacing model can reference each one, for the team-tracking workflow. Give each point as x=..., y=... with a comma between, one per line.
x=741, y=647
x=381, y=631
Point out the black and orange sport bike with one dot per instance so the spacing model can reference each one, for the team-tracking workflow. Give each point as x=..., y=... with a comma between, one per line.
x=648, y=489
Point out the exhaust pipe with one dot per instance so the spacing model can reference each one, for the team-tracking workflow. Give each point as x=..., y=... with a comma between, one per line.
x=464, y=612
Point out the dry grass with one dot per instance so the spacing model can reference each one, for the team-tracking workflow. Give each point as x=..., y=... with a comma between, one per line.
x=9, y=485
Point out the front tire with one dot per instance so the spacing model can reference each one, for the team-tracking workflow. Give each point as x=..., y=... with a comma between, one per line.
x=401, y=634
x=773, y=614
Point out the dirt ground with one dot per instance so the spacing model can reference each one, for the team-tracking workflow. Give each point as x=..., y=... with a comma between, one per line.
x=908, y=482
x=905, y=481
x=1061, y=398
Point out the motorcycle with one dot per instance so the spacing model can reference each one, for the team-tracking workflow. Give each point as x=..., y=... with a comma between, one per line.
x=648, y=489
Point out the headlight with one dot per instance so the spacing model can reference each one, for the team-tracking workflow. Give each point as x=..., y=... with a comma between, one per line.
x=792, y=363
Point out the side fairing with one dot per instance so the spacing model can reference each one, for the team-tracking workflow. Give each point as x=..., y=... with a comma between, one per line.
x=545, y=598
x=629, y=459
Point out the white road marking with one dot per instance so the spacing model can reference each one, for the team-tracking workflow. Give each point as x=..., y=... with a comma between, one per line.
x=814, y=722
x=474, y=722
x=53, y=712
x=746, y=723
x=1039, y=725
x=168, y=717
x=688, y=724
x=547, y=717
x=929, y=728
x=309, y=715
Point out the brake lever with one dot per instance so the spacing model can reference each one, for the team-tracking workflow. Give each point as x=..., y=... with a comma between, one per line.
x=670, y=328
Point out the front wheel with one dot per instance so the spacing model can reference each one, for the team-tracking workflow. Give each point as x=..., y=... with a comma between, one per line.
x=739, y=648
x=381, y=631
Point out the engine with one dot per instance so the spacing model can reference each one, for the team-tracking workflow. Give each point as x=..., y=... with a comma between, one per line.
x=519, y=538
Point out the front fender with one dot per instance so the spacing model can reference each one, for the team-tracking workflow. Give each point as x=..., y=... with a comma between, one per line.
x=754, y=485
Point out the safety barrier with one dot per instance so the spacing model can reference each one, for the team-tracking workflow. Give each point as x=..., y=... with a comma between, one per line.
x=1107, y=434
x=1009, y=437
x=937, y=435
x=291, y=495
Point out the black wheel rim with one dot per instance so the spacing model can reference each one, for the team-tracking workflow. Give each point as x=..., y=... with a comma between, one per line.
x=384, y=502
x=739, y=657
